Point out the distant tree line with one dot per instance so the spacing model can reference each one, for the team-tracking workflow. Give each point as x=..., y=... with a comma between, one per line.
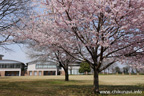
x=123, y=70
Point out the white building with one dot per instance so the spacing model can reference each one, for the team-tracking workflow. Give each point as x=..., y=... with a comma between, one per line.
x=11, y=67
x=42, y=68
x=74, y=68
x=16, y=68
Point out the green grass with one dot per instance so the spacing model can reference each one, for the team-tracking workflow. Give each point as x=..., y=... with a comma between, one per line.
x=80, y=85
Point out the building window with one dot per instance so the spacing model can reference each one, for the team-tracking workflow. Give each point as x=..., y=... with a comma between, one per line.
x=30, y=73
x=45, y=66
x=35, y=73
x=17, y=66
x=75, y=71
x=10, y=65
x=40, y=73
x=3, y=66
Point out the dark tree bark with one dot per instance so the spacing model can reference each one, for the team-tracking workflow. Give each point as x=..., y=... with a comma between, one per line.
x=66, y=72
x=66, y=75
x=96, y=81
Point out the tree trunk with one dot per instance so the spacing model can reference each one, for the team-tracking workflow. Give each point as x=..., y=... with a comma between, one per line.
x=66, y=75
x=96, y=82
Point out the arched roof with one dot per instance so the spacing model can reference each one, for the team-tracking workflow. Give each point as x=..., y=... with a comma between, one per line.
x=43, y=62
x=5, y=61
x=1, y=55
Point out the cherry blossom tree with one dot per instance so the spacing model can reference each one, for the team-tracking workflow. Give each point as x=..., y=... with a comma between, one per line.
x=94, y=29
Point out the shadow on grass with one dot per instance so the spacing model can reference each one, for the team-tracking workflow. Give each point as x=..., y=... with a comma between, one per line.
x=61, y=88
x=87, y=90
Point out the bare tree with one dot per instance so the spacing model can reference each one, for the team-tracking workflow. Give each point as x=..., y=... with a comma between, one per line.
x=11, y=12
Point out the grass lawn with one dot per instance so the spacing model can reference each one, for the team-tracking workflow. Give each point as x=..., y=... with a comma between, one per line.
x=79, y=85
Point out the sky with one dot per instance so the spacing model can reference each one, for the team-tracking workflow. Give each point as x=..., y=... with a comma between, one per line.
x=18, y=53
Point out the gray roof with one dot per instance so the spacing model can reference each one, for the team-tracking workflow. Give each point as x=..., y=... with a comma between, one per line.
x=5, y=61
x=53, y=63
x=1, y=55
x=41, y=62
x=75, y=64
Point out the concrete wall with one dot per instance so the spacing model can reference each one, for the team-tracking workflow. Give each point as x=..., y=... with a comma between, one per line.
x=2, y=73
x=32, y=72
x=31, y=67
x=13, y=69
x=71, y=70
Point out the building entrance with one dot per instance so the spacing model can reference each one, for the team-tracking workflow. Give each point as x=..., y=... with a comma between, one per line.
x=49, y=72
x=11, y=73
